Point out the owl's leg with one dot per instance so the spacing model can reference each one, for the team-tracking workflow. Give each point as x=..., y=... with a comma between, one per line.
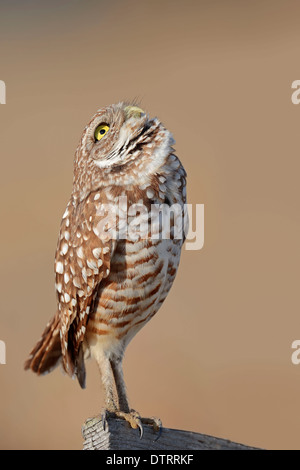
x=116, y=402
x=117, y=369
x=108, y=382
x=124, y=412
x=110, y=398
x=131, y=416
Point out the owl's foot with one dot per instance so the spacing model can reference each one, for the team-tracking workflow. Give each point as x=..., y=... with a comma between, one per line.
x=155, y=423
x=134, y=419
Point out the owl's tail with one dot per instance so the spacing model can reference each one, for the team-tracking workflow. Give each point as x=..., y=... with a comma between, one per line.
x=46, y=355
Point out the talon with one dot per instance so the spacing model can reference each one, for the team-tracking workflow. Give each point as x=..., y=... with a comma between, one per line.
x=135, y=421
x=141, y=429
x=103, y=419
x=159, y=434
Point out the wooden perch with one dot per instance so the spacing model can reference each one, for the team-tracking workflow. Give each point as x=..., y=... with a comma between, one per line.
x=118, y=435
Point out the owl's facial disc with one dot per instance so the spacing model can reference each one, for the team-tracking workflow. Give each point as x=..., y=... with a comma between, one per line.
x=121, y=131
x=115, y=133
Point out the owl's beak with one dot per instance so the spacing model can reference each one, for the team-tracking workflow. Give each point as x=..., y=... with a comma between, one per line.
x=133, y=111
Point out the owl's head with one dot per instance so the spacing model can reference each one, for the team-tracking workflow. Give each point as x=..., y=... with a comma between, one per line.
x=119, y=138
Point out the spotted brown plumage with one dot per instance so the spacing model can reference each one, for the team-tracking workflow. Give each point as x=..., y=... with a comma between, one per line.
x=111, y=277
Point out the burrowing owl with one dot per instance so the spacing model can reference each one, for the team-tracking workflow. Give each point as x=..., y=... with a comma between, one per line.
x=116, y=256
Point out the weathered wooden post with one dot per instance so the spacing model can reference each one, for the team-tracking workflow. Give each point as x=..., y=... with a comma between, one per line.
x=118, y=435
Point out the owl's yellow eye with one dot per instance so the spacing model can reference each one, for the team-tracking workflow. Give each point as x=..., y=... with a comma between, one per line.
x=100, y=131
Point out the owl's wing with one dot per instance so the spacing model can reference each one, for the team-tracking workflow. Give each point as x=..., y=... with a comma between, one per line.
x=83, y=256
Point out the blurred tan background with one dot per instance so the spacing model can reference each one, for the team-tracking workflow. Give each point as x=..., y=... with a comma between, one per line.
x=218, y=73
